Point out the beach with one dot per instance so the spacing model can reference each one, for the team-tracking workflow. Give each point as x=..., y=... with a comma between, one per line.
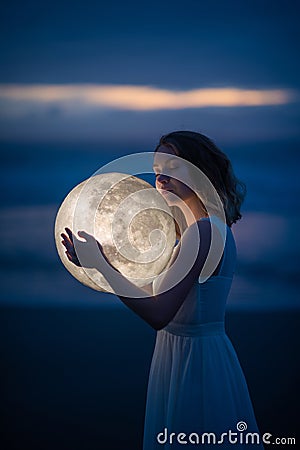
x=77, y=378
x=75, y=362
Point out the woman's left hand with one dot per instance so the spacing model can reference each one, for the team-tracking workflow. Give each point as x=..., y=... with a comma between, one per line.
x=87, y=253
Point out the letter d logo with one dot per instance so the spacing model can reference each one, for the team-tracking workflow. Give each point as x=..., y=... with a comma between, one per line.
x=162, y=437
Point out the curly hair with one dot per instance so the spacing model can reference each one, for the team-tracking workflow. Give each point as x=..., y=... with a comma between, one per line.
x=202, y=152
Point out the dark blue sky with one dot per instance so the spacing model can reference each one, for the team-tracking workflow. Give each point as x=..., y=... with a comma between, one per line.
x=164, y=44
x=171, y=44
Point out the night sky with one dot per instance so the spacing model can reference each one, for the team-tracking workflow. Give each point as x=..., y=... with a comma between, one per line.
x=172, y=46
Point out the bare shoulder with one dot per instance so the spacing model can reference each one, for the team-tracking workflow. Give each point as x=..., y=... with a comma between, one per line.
x=200, y=230
x=194, y=244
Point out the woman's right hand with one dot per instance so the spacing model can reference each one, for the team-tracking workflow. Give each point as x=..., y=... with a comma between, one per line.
x=86, y=252
x=68, y=242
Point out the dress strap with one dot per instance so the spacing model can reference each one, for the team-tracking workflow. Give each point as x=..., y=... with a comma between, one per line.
x=223, y=257
x=223, y=230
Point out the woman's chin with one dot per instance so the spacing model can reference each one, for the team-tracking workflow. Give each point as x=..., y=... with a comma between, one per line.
x=168, y=195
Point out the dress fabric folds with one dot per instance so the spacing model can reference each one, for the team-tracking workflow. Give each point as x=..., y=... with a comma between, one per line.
x=196, y=385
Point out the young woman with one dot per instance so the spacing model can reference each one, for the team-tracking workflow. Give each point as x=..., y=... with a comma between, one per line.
x=196, y=384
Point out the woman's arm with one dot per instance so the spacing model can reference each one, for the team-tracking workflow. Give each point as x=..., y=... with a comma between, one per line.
x=157, y=309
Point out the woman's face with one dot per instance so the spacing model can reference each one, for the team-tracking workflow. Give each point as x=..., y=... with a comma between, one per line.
x=169, y=170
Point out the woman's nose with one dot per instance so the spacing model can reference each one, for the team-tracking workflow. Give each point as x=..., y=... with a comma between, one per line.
x=161, y=178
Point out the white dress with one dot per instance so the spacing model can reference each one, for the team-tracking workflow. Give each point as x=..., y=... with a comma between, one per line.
x=196, y=384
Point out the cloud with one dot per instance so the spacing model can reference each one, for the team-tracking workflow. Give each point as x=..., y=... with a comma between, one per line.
x=137, y=98
x=96, y=112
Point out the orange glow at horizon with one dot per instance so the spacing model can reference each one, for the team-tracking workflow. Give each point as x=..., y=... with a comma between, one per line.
x=142, y=98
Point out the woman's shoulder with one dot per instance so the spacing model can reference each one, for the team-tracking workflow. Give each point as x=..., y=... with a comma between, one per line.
x=216, y=223
x=222, y=250
x=207, y=229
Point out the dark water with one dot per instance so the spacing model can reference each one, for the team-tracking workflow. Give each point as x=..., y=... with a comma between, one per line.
x=35, y=179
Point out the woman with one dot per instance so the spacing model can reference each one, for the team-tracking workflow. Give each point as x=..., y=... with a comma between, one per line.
x=196, y=384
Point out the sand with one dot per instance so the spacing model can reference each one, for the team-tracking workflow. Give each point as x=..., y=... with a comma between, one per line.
x=77, y=379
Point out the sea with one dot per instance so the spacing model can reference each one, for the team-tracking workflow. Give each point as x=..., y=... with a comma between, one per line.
x=36, y=177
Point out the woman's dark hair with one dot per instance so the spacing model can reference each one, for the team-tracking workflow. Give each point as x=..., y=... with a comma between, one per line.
x=202, y=152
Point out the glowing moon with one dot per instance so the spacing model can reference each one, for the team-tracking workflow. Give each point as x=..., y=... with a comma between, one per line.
x=130, y=219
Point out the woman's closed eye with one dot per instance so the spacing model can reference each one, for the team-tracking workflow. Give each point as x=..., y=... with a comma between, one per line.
x=157, y=174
